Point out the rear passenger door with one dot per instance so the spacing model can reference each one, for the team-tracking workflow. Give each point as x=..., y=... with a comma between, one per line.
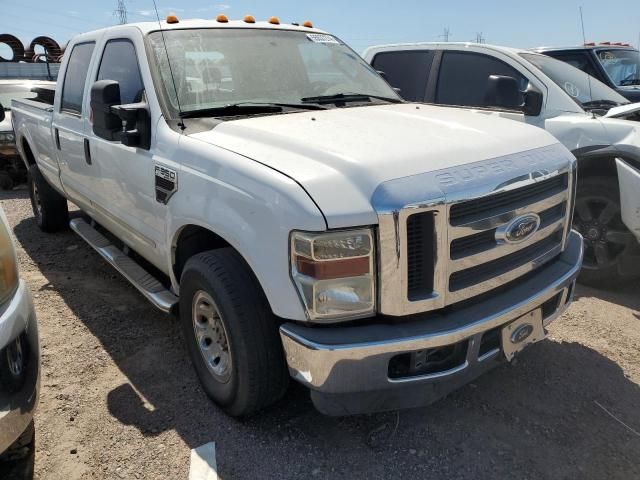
x=406, y=70
x=463, y=80
x=70, y=124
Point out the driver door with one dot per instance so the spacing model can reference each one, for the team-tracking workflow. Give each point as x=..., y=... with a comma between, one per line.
x=126, y=190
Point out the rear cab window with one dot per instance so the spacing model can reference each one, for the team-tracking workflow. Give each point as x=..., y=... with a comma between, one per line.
x=75, y=78
x=406, y=70
x=464, y=78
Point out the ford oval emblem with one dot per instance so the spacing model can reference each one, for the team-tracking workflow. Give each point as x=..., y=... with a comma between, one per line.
x=519, y=229
x=521, y=333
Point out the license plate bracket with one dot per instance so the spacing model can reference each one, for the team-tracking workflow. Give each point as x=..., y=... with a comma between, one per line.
x=521, y=333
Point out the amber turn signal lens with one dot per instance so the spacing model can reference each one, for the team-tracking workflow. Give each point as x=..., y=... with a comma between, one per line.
x=222, y=18
x=348, y=267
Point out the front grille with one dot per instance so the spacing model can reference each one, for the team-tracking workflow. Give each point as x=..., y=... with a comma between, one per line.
x=497, y=204
x=478, y=262
x=486, y=271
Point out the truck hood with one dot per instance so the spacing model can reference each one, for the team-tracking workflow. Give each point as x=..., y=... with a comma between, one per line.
x=340, y=156
x=623, y=110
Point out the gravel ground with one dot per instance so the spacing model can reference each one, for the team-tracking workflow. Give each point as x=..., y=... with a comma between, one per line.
x=120, y=400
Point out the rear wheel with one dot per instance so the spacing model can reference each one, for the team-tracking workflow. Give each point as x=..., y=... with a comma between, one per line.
x=607, y=241
x=49, y=207
x=231, y=335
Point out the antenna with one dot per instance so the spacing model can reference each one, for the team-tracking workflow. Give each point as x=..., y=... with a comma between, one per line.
x=173, y=80
x=584, y=41
x=121, y=12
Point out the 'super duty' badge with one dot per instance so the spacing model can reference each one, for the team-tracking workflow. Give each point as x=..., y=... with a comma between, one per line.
x=519, y=229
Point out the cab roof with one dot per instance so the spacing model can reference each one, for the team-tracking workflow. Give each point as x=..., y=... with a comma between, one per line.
x=148, y=27
x=588, y=46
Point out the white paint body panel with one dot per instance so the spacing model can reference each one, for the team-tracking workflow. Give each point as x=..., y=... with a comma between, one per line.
x=629, y=193
x=253, y=181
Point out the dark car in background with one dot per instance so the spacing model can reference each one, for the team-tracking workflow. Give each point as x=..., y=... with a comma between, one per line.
x=614, y=64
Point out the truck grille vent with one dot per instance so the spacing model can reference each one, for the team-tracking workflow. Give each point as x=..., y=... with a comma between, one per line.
x=421, y=253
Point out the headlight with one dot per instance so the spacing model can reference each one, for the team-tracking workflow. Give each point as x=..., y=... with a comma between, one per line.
x=334, y=273
x=8, y=267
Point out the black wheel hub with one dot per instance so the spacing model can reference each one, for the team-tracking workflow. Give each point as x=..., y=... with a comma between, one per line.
x=606, y=239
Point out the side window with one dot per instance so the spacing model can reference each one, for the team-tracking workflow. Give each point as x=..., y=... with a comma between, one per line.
x=579, y=61
x=120, y=63
x=406, y=70
x=75, y=78
x=464, y=78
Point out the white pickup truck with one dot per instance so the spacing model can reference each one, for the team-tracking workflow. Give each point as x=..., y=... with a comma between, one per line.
x=265, y=184
x=596, y=123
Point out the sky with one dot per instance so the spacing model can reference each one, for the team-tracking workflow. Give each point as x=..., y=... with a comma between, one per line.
x=360, y=23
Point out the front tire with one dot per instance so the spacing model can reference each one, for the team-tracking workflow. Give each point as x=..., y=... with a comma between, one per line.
x=49, y=207
x=607, y=241
x=231, y=335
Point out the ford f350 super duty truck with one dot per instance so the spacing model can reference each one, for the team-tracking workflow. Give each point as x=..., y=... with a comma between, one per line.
x=598, y=125
x=267, y=185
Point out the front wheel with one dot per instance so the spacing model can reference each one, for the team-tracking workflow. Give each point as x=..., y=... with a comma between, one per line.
x=231, y=335
x=607, y=241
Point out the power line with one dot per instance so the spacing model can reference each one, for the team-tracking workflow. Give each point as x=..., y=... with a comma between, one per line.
x=121, y=12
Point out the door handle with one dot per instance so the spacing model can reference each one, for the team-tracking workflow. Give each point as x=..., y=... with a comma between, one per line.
x=87, y=151
x=57, y=135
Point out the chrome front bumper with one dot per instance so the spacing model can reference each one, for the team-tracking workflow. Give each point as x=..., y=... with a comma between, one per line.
x=17, y=404
x=343, y=365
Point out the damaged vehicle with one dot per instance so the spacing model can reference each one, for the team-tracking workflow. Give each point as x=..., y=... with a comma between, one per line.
x=598, y=125
x=263, y=183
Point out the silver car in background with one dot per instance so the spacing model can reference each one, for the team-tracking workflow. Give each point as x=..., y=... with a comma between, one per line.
x=19, y=364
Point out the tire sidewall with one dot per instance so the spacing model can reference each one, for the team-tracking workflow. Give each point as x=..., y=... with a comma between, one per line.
x=33, y=181
x=193, y=281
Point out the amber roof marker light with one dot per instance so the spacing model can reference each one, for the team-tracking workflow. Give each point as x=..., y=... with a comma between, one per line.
x=274, y=21
x=171, y=18
x=308, y=24
x=222, y=18
x=249, y=19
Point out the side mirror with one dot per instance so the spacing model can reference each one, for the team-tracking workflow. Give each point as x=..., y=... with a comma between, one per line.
x=1, y=113
x=503, y=92
x=129, y=124
x=533, y=100
x=104, y=95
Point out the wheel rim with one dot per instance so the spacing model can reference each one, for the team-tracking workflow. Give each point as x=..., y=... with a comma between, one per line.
x=606, y=238
x=211, y=336
x=37, y=206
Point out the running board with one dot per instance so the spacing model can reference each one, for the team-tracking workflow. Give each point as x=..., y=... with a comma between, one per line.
x=146, y=283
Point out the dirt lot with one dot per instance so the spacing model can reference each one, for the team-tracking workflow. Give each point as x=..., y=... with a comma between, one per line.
x=119, y=391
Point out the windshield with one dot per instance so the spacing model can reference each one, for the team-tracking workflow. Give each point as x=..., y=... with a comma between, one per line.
x=586, y=91
x=622, y=66
x=213, y=68
x=15, y=90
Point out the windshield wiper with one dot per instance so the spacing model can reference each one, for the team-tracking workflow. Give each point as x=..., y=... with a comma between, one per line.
x=630, y=82
x=247, y=108
x=348, y=97
x=600, y=104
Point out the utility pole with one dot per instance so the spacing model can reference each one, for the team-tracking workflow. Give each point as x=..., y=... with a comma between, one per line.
x=446, y=34
x=480, y=38
x=121, y=12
